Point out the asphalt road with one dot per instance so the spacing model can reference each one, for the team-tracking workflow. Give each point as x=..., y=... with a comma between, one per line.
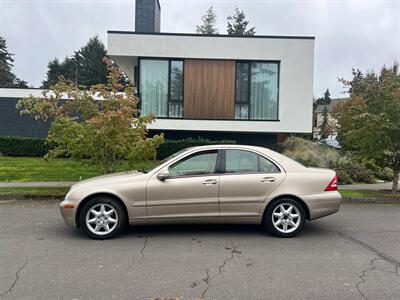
x=354, y=254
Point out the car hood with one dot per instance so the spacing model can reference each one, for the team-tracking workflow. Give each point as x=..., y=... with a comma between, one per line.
x=110, y=177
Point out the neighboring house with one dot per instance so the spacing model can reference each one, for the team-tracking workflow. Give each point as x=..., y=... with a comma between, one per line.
x=319, y=119
x=254, y=89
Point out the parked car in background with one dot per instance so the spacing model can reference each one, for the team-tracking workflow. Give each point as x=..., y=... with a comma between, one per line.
x=334, y=143
x=206, y=184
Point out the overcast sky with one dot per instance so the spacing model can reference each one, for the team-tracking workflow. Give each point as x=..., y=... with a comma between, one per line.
x=362, y=34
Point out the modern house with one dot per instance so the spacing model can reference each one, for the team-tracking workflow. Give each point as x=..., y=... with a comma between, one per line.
x=254, y=89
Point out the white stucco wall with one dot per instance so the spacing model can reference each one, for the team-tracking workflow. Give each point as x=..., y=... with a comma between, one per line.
x=296, y=56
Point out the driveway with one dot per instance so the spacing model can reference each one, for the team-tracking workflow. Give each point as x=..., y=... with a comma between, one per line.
x=354, y=254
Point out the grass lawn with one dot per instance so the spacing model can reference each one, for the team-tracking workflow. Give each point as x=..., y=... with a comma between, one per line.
x=368, y=194
x=60, y=169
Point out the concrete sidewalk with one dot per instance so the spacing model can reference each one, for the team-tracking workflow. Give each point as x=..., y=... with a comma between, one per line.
x=38, y=184
x=367, y=186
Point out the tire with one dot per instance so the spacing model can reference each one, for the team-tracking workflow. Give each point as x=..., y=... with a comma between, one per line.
x=102, y=218
x=275, y=223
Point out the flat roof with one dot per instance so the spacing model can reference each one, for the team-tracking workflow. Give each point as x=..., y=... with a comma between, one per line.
x=212, y=35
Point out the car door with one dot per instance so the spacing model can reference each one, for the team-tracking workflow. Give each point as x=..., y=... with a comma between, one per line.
x=246, y=180
x=190, y=191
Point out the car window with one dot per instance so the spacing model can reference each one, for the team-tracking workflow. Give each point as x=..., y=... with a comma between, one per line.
x=240, y=161
x=197, y=164
x=266, y=166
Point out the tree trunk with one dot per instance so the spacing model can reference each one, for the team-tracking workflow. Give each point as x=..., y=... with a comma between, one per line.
x=395, y=180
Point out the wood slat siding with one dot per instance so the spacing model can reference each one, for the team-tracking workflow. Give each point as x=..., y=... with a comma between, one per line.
x=209, y=89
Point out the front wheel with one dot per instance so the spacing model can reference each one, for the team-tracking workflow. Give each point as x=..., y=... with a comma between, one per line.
x=102, y=218
x=284, y=218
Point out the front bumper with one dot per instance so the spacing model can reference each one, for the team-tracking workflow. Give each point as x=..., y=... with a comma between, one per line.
x=323, y=204
x=68, y=213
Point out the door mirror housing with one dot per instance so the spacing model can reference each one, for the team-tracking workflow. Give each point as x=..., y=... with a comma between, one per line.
x=164, y=174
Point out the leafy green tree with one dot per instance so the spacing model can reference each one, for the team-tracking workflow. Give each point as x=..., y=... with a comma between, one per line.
x=103, y=131
x=209, y=23
x=237, y=24
x=369, y=122
x=85, y=67
x=7, y=78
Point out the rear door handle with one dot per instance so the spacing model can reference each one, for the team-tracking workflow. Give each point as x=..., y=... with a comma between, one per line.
x=268, y=179
x=210, y=181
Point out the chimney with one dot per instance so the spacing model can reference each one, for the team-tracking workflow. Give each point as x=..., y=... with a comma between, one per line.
x=147, y=16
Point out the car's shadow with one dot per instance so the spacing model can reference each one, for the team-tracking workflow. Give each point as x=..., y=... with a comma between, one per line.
x=310, y=229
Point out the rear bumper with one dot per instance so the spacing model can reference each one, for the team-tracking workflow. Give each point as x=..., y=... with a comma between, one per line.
x=68, y=214
x=323, y=204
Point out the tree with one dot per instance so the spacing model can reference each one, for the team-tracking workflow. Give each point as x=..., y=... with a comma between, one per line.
x=369, y=122
x=7, y=77
x=85, y=67
x=104, y=131
x=209, y=22
x=325, y=100
x=325, y=123
x=237, y=24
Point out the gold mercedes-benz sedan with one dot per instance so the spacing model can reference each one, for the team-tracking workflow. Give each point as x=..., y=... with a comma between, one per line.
x=206, y=184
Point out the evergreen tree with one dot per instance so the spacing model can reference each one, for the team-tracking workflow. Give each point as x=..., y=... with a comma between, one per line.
x=85, y=67
x=237, y=24
x=89, y=60
x=7, y=77
x=209, y=20
x=325, y=123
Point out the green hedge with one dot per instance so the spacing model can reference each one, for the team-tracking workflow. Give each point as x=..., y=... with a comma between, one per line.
x=169, y=147
x=22, y=146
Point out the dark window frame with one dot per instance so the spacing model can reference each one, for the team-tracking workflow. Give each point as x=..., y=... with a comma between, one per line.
x=249, y=63
x=169, y=100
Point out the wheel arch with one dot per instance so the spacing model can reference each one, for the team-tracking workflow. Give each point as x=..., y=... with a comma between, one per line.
x=288, y=196
x=92, y=196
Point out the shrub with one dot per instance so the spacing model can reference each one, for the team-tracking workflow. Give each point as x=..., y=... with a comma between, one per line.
x=22, y=146
x=309, y=153
x=169, y=147
x=351, y=171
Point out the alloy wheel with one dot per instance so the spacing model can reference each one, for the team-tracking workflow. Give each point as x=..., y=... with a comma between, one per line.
x=286, y=218
x=101, y=219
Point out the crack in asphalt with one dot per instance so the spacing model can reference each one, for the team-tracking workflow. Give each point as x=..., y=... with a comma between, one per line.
x=15, y=281
x=371, y=267
x=207, y=279
x=391, y=260
x=141, y=254
x=362, y=277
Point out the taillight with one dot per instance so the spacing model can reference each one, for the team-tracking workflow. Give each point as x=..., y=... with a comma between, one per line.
x=333, y=185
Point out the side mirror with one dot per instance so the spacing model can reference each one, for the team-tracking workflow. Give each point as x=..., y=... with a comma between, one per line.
x=163, y=175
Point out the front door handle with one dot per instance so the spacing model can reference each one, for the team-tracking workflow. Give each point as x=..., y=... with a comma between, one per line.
x=210, y=181
x=268, y=179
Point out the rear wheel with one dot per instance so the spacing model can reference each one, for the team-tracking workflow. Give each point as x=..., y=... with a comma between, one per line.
x=102, y=218
x=285, y=218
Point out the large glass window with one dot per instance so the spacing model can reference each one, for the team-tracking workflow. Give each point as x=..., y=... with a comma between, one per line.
x=256, y=91
x=154, y=87
x=198, y=164
x=161, y=87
